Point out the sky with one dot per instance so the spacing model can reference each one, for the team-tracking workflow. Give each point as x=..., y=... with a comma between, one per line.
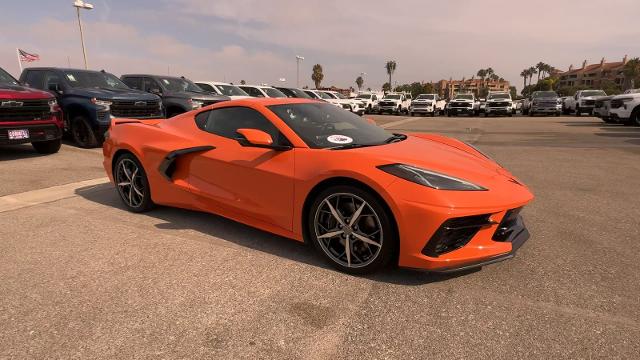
x=257, y=41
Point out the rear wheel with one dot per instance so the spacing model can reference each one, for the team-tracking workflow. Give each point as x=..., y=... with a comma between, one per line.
x=47, y=147
x=352, y=229
x=132, y=184
x=82, y=133
x=635, y=117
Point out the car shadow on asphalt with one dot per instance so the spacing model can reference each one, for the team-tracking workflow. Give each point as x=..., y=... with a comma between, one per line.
x=252, y=238
x=16, y=152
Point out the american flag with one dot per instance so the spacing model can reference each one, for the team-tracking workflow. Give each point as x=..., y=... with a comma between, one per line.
x=27, y=57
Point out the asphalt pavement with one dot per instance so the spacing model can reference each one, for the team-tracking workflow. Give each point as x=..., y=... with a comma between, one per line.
x=80, y=277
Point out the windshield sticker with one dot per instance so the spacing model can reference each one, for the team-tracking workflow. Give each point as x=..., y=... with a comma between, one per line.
x=339, y=139
x=71, y=77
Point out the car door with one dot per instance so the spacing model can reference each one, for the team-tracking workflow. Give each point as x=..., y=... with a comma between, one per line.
x=247, y=181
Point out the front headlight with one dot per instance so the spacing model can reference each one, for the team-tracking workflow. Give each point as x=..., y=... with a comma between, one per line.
x=626, y=100
x=53, y=106
x=104, y=103
x=429, y=178
x=195, y=104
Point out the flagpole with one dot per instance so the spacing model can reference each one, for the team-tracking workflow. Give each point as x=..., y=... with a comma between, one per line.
x=19, y=62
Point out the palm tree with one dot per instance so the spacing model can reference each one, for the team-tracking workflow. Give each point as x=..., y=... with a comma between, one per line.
x=482, y=73
x=317, y=75
x=631, y=72
x=495, y=77
x=359, y=82
x=489, y=72
x=391, y=68
x=540, y=67
x=524, y=73
x=532, y=71
x=242, y=82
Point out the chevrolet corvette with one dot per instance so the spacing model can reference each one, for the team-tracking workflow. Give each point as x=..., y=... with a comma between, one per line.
x=307, y=170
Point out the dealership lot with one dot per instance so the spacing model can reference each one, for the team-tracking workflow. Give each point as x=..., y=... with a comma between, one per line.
x=81, y=277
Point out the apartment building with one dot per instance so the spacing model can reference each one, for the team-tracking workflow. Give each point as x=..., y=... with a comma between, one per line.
x=594, y=74
x=449, y=88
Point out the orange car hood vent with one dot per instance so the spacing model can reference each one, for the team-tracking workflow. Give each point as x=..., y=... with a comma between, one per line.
x=135, y=121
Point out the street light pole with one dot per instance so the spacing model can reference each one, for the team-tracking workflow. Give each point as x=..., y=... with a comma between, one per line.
x=79, y=4
x=298, y=59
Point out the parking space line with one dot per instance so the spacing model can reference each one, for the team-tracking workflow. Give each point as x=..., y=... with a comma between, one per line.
x=399, y=122
x=46, y=195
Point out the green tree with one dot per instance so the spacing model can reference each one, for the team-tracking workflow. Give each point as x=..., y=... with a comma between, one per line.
x=242, y=82
x=386, y=87
x=390, y=66
x=489, y=72
x=532, y=71
x=540, y=67
x=482, y=74
x=359, y=82
x=525, y=74
x=514, y=92
x=631, y=73
x=317, y=75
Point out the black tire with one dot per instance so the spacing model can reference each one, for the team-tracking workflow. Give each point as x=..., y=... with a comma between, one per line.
x=531, y=113
x=131, y=199
x=82, y=133
x=378, y=218
x=578, y=111
x=634, y=119
x=47, y=147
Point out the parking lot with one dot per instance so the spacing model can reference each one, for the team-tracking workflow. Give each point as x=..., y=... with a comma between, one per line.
x=82, y=277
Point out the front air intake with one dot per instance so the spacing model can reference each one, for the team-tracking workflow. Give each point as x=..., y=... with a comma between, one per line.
x=455, y=233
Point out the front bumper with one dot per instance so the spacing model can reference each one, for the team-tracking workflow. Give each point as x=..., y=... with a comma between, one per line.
x=499, y=110
x=546, y=109
x=388, y=107
x=43, y=131
x=461, y=110
x=423, y=109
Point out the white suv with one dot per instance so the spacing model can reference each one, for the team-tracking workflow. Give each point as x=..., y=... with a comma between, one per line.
x=262, y=91
x=222, y=88
x=625, y=108
x=347, y=104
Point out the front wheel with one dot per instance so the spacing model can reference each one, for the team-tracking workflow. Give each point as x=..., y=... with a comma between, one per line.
x=578, y=111
x=47, y=147
x=82, y=133
x=133, y=186
x=352, y=230
x=635, y=117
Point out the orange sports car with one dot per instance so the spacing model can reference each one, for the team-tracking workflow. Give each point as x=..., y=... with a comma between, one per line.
x=313, y=172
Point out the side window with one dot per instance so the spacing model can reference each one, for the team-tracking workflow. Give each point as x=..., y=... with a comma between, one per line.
x=206, y=87
x=149, y=84
x=226, y=121
x=52, y=81
x=35, y=79
x=133, y=82
x=253, y=91
x=375, y=98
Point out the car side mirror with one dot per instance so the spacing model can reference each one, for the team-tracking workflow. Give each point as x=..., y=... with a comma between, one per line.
x=258, y=138
x=54, y=87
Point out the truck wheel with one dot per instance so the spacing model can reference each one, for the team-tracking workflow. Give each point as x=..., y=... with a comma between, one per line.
x=82, y=133
x=578, y=111
x=47, y=147
x=634, y=119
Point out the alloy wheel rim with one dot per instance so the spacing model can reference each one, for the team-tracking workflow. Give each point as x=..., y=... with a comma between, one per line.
x=348, y=230
x=130, y=183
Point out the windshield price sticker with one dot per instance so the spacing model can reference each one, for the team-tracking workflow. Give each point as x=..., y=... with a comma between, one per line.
x=71, y=77
x=339, y=139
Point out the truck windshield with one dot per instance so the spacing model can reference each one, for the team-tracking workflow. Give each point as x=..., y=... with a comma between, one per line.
x=274, y=93
x=464, y=97
x=426, y=97
x=545, y=94
x=593, y=93
x=393, y=96
x=93, y=79
x=179, y=85
x=363, y=96
x=231, y=90
x=5, y=78
x=499, y=96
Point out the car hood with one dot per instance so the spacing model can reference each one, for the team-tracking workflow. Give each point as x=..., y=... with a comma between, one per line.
x=498, y=100
x=10, y=91
x=440, y=154
x=197, y=95
x=113, y=94
x=462, y=100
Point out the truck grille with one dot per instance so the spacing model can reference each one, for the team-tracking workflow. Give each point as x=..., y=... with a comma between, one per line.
x=501, y=104
x=136, y=109
x=28, y=110
x=460, y=105
x=589, y=102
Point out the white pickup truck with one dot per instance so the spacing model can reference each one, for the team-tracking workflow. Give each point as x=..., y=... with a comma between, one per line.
x=427, y=104
x=498, y=103
x=463, y=104
x=369, y=101
x=625, y=108
x=394, y=103
x=582, y=102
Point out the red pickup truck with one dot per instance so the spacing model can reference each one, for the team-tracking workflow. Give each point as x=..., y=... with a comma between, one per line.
x=28, y=116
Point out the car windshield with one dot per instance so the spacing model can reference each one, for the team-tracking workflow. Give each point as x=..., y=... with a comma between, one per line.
x=392, y=96
x=180, y=85
x=324, y=95
x=94, y=79
x=594, y=93
x=339, y=96
x=5, y=78
x=545, y=94
x=231, y=90
x=363, y=96
x=274, y=93
x=464, y=97
x=499, y=96
x=296, y=93
x=426, y=97
x=322, y=125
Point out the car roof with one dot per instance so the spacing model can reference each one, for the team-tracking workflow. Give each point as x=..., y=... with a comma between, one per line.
x=63, y=69
x=268, y=101
x=213, y=82
x=158, y=76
